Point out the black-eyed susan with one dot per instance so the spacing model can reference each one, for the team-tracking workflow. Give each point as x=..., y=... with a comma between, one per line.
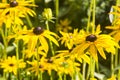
x=115, y=25
x=66, y=66
x=115, y=31
x=11, y=64
x=12, y=12
x=69, y=39
x=79, y=57
x=49, y=64
x=36, y=67
x=94, y=43
x=17, y=6
x=34, y=52
x=36, y=36
x=64, y=25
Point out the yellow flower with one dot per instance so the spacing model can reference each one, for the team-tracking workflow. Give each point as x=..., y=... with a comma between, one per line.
x=14, y=10
x=117, y=12
x=17, y=6
x=12, y=65
x=66, y=53
x=66, y=66
x=30, y=52
x=93, y=79
x=44, y=65
x=49, y=64
x=113, y=77
x=64, y=25
x=94, y=43
x=32, y=36
x=115, y=29
x=69, y=39
x=35, y=67
x=47, y=14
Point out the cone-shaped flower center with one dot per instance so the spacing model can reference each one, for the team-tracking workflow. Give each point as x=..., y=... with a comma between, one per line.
x=40, y=66
x=13, y=4
x=50, y=61
x=11, y=64
x=38, y=30
x=91, y=38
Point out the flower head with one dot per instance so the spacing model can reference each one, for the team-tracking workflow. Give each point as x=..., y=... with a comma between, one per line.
x=47, y=14
x=11, y=64
x=69, y=39
x=35, y=67
x=14, y=10
x=36, y=36
x=64, y=25
x=94, y=43
x=66, y=66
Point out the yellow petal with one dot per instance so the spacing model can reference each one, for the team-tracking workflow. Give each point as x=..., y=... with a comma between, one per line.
x=100, y=50
x=93, y=52
x=85, y=58
x=44, y=43
x=52, y=39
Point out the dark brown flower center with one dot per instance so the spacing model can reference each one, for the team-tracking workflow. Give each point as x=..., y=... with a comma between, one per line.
x=13, y=4
x=91, y=38
x=38, y=30
x=40, y=66
x=50, y=60
x=11, y=64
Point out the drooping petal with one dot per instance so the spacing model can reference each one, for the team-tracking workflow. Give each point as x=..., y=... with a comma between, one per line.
x=100, y=50
x=44, y=43
x=93, y=52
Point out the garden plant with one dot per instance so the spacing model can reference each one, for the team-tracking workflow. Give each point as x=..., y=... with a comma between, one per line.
x=59, y=39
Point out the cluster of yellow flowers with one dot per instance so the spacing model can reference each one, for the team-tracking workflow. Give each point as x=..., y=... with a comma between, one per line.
x=35, y=55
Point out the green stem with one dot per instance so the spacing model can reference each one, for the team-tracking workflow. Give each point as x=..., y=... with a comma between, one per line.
x=57, y=10
x=51, y=45
x=94, y=6
x=116, y=58
x=38, y=58
x=17, y=57
x=28, y=20
x=89, y=16
x=60, y=77
x=84, y=70
x=117, y=2
x=112, y=64
x=119, y=74
x=41, y=78
x=51, y=78
x=92, y=67
x=64, y=77
x=88, y=73
x=5, y=42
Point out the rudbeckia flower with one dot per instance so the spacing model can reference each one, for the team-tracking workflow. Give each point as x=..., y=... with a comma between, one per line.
x=11, y=64
x=64, y=25
x=49, y=64
x=37, y=51
x=94, y=43
x=32, y=36
x=14, y=10
x=17, y=6
x=35, y=67
x=66, y=54
x=115, y=31
x=69, y=39
x=44, y=65
x=66, y=66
